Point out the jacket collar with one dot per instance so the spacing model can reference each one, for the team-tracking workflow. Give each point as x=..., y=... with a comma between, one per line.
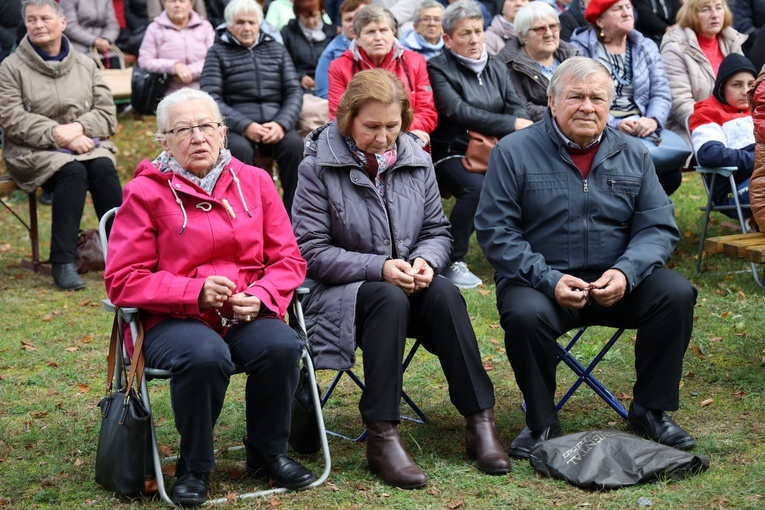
x=609, y=141
x=328, y=146
x=51, y=68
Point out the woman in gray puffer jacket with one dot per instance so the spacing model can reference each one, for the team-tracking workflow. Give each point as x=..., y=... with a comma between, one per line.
x=368, y=220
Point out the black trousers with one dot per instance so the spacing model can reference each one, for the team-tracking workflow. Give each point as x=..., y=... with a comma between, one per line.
x=70, y=186
x=288, y=153
x=466, y=188
x=660, y=308
x=438, y=316
x=201, y=363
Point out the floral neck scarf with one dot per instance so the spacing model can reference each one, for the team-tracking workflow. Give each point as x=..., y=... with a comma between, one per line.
x=166, y=163
x=374, y=164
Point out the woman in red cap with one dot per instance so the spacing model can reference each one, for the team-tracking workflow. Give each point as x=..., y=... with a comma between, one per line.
x=642, y=101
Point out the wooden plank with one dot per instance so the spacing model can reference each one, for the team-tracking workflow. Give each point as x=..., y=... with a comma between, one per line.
x=715, y=245
x=737, y=248
x=756, y=254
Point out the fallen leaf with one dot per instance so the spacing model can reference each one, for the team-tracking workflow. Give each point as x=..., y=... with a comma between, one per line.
x=697, y=351
x=707, y=402
x=716, y=339
x=27, y=346
x=79, y=462
x=725, y=314
x=484, y=292
x=739, y=394
x=83, y=388
x=741, y=294
x=84, y=303
x=53, y=364
x=488, y=368
x=72, y=349
x=493, y=326
x=47, y=318
x=432, y=492
x=40, y=414
x=88, y=338
x=494, y=341
x=456, y=505
x=331, y=486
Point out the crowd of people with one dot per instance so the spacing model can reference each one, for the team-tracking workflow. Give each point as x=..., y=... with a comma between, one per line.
x=532, y=115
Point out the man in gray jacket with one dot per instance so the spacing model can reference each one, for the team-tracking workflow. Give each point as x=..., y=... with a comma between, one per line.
x=578, y=229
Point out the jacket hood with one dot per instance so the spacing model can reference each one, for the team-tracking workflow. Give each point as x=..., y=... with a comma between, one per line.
x=503, y=28
x=51, y=68
x=731, y=64
x=328, y=146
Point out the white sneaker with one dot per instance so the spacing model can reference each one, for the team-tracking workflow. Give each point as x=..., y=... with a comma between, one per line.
x=459, y=274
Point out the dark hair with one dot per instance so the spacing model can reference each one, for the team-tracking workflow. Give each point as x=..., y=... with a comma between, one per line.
x=307, y=6
x=352, y=5
x=369, y=86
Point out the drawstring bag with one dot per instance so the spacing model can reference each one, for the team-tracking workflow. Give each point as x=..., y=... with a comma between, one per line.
x=609, y=459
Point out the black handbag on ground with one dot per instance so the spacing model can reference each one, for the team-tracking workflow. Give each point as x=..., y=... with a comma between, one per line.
x=123, y=456
x=147, y=91
x=90, y=256
x=304, y=428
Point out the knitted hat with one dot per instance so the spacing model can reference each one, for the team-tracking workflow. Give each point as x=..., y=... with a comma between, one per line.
x=595, y=8
x=732, y=64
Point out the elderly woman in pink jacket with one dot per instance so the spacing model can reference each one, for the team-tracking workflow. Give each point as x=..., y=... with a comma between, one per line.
x=203, y=247
x=176, y=43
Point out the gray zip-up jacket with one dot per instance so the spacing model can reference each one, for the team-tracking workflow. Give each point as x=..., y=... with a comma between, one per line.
x=539, y=219
x=346, y=233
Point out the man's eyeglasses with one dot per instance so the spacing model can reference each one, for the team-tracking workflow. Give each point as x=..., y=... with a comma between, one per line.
x=208, y=128
x=553, y=27
x=428, y=20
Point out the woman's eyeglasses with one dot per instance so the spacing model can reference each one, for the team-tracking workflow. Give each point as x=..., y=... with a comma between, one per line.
x=208, y=128
x=553, y=27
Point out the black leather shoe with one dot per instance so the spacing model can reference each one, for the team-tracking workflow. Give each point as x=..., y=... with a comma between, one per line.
x=66, y=277
x=191, y=488
x=46, y=197
x=280, y=469
x=526, y=441
x=658, y=426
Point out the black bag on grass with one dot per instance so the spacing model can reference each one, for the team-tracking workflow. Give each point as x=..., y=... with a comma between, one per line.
x=147, y=90
x=608, y=459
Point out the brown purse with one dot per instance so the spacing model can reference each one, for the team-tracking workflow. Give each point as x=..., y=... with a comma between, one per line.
x=90, y=257
x=477, y=155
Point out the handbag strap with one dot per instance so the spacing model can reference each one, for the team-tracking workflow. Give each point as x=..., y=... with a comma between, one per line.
x=112, y=49
x=137, y=361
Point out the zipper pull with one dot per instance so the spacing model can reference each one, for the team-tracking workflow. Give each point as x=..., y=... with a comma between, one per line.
x=586, y=188
x=611, y=183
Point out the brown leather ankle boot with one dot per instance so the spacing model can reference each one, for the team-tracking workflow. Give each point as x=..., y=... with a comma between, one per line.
x=389, y=460
x=482, y=443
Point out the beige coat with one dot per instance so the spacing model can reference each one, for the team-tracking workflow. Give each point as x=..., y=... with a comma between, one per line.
x=689, y=72
x=36, y=97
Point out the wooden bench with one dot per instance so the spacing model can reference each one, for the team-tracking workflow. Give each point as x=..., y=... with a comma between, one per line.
x=750, y=247
x=7, y=186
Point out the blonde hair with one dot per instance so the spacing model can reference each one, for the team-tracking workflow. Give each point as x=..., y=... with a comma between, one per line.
x=688, y=15
x=368, y=86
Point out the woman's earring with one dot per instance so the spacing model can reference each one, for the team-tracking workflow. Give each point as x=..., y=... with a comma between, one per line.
x=602, y=35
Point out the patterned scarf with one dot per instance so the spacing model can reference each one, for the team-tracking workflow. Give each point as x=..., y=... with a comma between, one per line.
x=374, y=164
x=165, y=163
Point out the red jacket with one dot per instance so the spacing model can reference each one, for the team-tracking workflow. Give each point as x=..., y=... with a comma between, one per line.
x=407, y=65
x=158, y=265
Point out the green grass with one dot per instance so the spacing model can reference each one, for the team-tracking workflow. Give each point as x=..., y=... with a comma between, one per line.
x=53, y=355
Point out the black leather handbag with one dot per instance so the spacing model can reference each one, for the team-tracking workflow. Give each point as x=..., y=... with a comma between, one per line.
x=123, y=456
x=147, y=91
x=304, y=429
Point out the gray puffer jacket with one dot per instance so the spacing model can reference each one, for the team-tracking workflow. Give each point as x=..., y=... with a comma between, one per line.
x=346, y=232
x=538, y=218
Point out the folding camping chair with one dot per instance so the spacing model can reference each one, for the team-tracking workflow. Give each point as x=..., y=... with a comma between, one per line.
x=421, y=418
x=717, y=174
x=584, y=374
x=130, y=316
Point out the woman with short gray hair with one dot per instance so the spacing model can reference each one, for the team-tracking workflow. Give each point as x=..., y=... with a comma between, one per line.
x=425, y=36
x=376, y=47
x=534, y=54
x=473, y=92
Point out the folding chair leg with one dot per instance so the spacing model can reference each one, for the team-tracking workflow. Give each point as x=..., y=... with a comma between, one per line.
x=585, y=374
